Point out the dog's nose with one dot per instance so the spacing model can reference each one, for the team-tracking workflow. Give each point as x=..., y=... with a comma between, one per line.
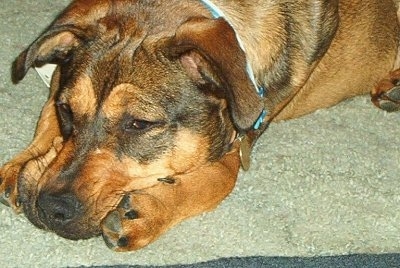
x=58, y=209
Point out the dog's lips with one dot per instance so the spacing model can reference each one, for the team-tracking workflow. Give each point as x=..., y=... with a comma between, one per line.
x=81, y=228
x=27, y=193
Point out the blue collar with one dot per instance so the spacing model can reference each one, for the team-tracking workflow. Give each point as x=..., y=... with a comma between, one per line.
x=218, y=13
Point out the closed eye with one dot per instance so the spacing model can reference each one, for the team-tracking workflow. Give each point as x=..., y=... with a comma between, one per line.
x=65, y=118
x=132, y=125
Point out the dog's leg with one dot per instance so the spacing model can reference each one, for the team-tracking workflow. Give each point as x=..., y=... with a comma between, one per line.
x=47, y=130
x=45, y=134
x=143, y=215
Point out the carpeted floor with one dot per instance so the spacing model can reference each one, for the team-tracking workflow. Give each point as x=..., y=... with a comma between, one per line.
x=324, y=184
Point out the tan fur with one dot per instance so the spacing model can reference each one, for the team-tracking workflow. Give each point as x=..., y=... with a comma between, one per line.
x=83, y=97
x=338, y=76
x=170, y=75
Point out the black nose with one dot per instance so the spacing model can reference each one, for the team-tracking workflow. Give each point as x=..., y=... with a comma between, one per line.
x=58, y=209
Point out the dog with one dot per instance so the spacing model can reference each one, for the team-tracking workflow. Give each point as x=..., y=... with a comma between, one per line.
x=155, y=105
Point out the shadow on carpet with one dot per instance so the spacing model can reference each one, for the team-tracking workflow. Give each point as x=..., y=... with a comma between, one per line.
x=353, y=261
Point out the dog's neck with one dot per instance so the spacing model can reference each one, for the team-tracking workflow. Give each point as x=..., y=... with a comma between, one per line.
x=218, y=13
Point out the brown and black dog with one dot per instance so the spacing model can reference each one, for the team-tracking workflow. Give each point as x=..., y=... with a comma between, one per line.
x=154, y=104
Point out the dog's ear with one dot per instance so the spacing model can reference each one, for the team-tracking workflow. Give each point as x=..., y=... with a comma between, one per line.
x=74, y=26
x=209, y=52
x=54, y=46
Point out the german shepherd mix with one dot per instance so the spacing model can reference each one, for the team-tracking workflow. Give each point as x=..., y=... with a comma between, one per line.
x=155, y=104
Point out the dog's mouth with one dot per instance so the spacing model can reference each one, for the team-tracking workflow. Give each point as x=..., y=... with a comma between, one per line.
x=63, y=214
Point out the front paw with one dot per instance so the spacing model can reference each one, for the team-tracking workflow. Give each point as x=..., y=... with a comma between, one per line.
x=8, y=186
x=129, y=228
x=25, y=166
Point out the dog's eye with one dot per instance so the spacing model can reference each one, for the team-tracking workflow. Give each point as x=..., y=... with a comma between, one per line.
x=65, y=117
x=64, y=108
x=132, y=124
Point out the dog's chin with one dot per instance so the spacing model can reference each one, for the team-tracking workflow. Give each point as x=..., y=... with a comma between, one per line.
x=75, y=232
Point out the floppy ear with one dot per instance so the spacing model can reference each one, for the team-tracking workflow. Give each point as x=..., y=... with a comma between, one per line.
x=75, y=25
x=209, y=52
x=54, y=46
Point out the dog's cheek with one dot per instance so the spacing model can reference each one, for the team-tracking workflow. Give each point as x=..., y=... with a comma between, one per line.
x=104, y=179
x=191, y=150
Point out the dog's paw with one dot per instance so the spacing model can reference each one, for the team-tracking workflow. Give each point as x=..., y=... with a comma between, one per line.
x=27, y=166
x=389, y=100
x=8, y=185
x=128, y=228
x=386, y=95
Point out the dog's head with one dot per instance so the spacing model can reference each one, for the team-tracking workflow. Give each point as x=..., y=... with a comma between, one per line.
x=140, y=93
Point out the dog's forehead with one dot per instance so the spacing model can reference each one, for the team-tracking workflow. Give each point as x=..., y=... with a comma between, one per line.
x=127, y=76
x=139, y=101
x=132, y=99
x=146, y=97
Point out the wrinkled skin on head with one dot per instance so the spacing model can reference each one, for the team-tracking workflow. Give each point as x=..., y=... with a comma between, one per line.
x=134, y=102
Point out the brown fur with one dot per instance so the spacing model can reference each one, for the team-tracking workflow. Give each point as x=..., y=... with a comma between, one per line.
x=140, y=130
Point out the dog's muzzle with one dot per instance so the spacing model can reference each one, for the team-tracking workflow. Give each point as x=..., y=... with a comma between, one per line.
x=60, y=210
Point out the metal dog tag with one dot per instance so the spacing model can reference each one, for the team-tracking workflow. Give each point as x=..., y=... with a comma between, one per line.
x=245, y=151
